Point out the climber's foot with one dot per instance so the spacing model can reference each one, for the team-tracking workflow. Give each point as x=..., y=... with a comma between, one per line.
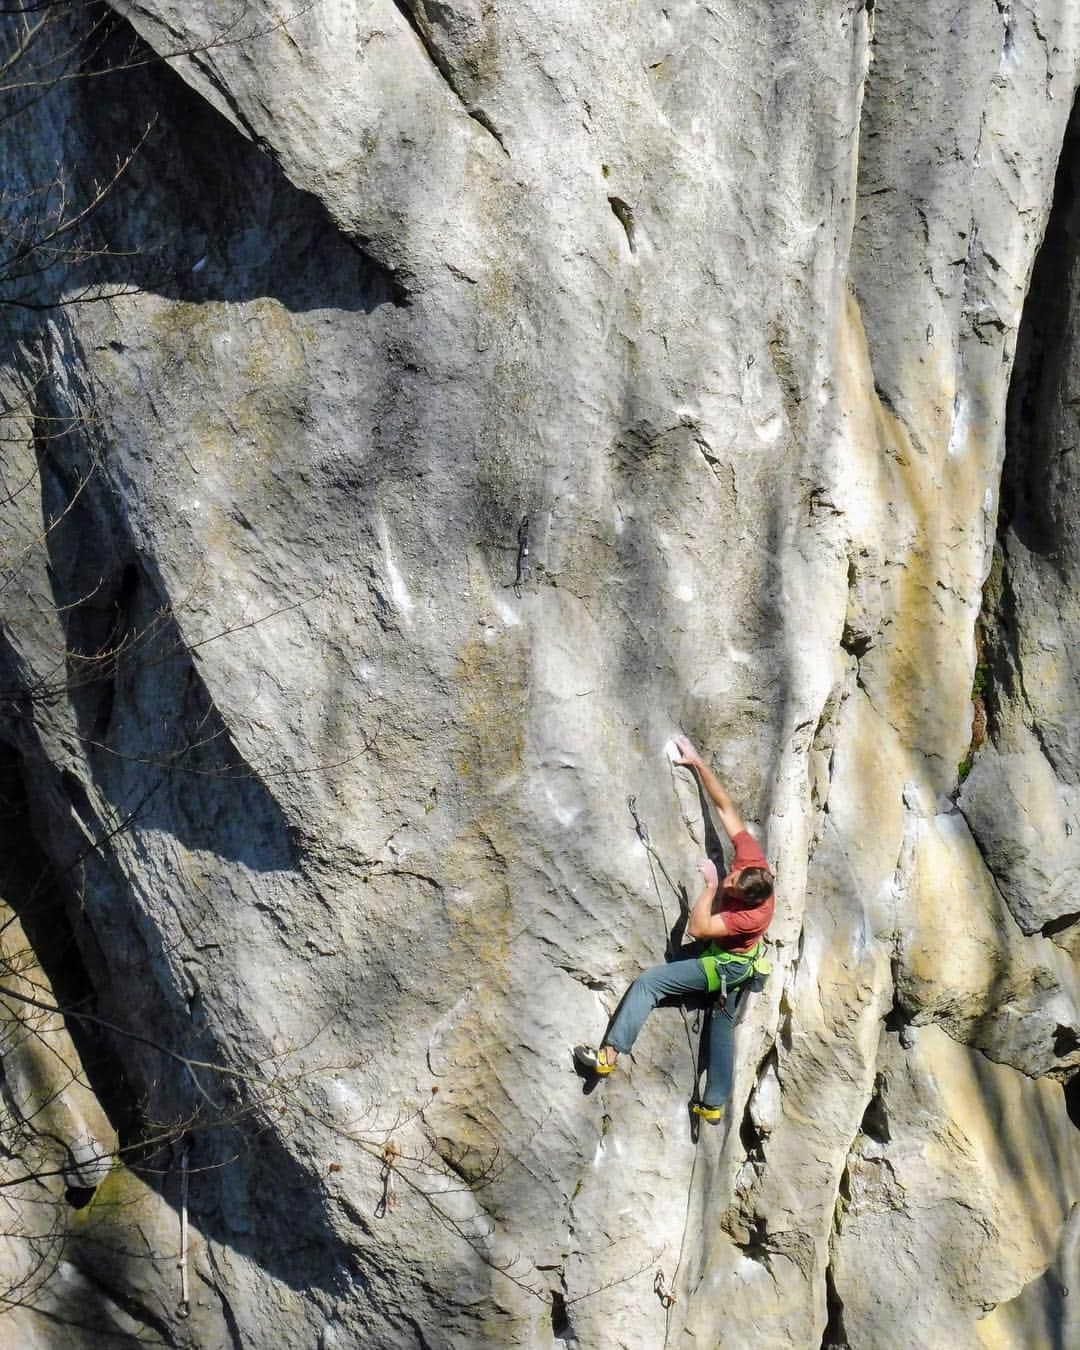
x=713, y=1114
x=600, y=1062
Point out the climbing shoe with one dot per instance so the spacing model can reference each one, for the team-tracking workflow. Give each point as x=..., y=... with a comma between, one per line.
x=703, y=1112
x=587, y=1057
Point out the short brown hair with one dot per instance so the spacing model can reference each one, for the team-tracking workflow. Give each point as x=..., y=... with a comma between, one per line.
x=755, y=884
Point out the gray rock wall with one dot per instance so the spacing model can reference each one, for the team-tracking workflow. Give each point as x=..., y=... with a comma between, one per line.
x=726, y=302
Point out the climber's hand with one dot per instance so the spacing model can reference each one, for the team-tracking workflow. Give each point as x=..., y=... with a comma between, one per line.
x=687, y=754
x=702, y=922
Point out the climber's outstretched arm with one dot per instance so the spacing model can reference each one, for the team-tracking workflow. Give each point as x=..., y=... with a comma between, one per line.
x=703, y=923
x=725, y=807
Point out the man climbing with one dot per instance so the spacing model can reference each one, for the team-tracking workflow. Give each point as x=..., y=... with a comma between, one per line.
x=732, y=913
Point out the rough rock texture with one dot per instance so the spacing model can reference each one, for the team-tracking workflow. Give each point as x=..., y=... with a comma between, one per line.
x=319, y=795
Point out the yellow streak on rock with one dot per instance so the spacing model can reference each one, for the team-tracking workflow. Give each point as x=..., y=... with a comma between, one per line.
x=919, y=673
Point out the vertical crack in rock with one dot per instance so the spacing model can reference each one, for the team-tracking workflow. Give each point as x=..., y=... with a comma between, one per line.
x=834, y=1337
x=874, y=1125
x=562, y=1328
x=217, y=1284
x=1042, y=355
x=413, y=12
x=981, y=693
x=875, y=1121
x=1072, y=1100
x=37, y=892
x=625, y=216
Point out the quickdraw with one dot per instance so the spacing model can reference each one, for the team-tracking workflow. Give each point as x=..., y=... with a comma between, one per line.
x=388, y=1199
x=183, y=1308
x=666, y=1297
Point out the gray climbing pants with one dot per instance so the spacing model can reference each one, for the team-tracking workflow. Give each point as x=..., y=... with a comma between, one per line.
x=676, y=980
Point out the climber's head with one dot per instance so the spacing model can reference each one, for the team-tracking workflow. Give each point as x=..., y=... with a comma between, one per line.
x=751, y=885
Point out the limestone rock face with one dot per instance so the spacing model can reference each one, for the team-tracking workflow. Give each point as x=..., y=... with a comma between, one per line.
x=415, y=415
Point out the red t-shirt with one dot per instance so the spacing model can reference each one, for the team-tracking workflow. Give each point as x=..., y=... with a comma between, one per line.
x=747, y=923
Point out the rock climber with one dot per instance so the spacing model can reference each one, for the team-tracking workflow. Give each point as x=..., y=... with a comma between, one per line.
x=732, y=914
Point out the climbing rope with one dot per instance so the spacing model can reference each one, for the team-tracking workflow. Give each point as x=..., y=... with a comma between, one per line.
x=643, y=834
x=664, y=1292
x=655, y=861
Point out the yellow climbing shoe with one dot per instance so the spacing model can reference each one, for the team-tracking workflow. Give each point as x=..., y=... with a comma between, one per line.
x=588, y=1057
x=713, y=1113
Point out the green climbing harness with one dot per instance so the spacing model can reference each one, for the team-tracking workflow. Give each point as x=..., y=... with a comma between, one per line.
x=726, y=970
